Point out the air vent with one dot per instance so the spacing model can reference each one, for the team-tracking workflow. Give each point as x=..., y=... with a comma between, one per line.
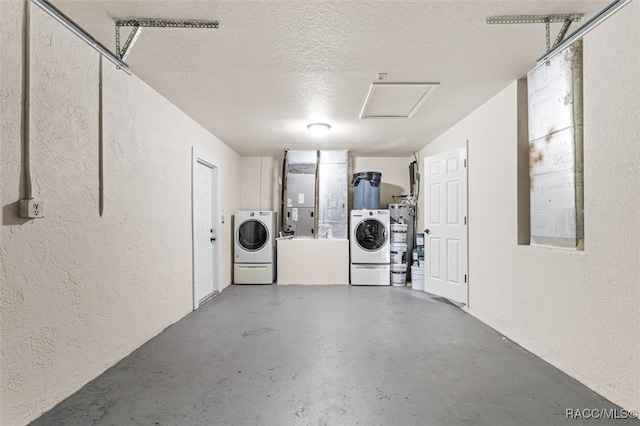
x=396, y=100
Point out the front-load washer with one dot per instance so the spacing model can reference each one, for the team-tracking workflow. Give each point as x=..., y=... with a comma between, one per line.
x=254, y=247
x=370, y=247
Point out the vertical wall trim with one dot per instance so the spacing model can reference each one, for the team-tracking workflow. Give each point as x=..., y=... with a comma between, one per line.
x=260, y=185
x=523, y=180
x=100, y=140
x=467, y=274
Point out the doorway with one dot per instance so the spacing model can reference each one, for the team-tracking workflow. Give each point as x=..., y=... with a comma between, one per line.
x=445, y=208
x=205, y=206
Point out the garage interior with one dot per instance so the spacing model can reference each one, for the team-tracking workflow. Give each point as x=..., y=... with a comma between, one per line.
x=103, y=284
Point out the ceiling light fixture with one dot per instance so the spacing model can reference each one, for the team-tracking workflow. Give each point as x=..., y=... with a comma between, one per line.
x=319, y=128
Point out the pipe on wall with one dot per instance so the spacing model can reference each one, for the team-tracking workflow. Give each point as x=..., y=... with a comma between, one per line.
x=605, y=14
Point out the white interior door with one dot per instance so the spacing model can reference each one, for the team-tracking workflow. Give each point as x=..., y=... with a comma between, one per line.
x=205, y=232
x=446, y=225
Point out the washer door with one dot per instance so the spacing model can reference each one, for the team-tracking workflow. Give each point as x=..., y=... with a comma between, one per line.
x=371, y=234
x=252, y=235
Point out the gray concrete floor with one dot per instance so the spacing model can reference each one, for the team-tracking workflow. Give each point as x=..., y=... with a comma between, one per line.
x=328, y=355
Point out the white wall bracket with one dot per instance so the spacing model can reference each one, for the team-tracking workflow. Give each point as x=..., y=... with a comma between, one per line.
x=138, y=24
x=566, y=19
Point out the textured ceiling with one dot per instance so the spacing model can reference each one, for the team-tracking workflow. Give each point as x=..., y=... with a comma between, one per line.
x=275, y=66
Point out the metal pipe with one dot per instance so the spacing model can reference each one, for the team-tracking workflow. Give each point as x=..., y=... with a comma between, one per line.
x=583, y=30
x=77, y=30
x=100, y=138
x=26, y=102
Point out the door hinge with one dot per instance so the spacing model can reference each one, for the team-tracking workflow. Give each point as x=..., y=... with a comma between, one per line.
x=465, y=220
x=465, y=162
x=465, y=278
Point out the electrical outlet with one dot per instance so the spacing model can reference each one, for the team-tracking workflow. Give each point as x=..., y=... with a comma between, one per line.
x=31, y=209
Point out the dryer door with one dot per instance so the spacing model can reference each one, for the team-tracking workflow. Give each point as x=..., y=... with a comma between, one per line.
x=252, y=235
x=371, y=235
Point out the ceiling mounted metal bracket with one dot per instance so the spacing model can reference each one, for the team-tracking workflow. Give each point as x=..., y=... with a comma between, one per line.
x=566, y=19
x=128, y=45
x=138, y=24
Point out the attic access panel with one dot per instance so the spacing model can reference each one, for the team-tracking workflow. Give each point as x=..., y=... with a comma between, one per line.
x=396, y=100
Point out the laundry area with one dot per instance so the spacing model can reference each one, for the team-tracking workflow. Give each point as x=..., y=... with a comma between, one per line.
x=333, y=227
x=301, y=212
x=341, y=224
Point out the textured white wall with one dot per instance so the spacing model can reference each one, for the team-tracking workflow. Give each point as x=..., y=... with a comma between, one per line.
x=307, y=261
x=580, y=311
x=79, y=291
x=257, y=183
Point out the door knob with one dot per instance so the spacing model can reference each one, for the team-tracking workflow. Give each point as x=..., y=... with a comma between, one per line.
x=212, y=239
x=426, y=231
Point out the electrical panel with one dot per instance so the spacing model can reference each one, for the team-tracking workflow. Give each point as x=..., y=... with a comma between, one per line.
x=300, y=193
x=301, y=221
x=301, y=190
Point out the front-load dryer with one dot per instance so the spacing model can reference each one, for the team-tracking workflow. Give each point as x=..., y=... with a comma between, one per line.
x=254, y=247
x=370, y=247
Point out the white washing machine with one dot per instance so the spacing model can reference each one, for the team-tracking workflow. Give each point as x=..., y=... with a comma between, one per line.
x=254, y=247
x=370, y=247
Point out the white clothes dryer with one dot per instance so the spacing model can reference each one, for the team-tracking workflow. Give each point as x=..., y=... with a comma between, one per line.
x=370, y=247
x=254, y=247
